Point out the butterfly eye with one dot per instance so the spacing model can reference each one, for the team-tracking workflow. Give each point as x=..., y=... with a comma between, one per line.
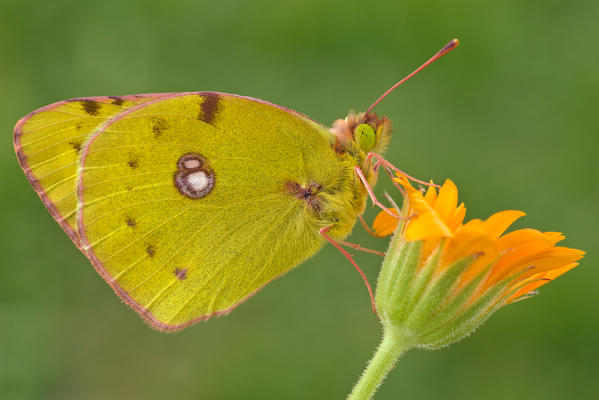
x=365, y=136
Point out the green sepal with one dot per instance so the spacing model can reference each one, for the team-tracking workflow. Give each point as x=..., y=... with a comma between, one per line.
x=396, y=274
x=398, y=295
x=389, y=273
x=391, y=266
x=466, y=321
x=436, y=293
x=423, y=279
x=464, y=330
x=453, y=305
x=472, y=318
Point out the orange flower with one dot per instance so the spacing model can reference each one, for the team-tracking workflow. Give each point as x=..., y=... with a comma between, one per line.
x=530, y=253
x=442, y=277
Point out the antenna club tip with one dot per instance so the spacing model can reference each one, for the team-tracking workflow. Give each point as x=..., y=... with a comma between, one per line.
x=448, y=47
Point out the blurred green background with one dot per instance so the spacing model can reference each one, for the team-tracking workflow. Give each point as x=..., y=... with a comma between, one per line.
x=511, y=115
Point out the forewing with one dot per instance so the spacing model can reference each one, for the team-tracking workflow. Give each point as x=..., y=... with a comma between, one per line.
x=48, y=143
x=177, y=256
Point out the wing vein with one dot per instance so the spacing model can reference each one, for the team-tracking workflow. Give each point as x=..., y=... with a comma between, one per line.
x=146, y=234
x=211, y=278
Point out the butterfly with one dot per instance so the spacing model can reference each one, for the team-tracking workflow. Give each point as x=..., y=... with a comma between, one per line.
x=188, y=203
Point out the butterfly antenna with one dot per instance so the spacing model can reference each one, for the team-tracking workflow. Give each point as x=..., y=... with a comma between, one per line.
x=448, y=47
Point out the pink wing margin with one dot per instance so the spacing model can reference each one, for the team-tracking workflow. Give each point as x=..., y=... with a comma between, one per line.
x=22, y=158
x=84, y=242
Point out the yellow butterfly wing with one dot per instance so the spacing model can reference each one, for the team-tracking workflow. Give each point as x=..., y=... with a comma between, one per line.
x=48, y=143
x=186, y=203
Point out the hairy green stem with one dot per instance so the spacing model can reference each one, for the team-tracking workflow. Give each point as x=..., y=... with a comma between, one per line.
x=393, y=346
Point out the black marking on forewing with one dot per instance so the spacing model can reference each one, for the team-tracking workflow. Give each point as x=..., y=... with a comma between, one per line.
x=180, y=273
x=117, y=101
x=91, y=107
x=151, y=250
x=76, y=146
x=159, y=125
x=209, y=107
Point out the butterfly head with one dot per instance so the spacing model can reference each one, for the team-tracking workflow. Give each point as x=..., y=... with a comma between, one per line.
x=359, y=134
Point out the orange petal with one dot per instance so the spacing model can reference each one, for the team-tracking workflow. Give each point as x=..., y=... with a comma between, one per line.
x=474, y=223
x=553, y=258
x=497, y=223
x=384, y=224
x=431, y=195
x=428, y=247
x=522, y=243
x=425, y=222
x=427, y=226
x=534, y=245
x=457, y=218
x=519, y=237
x=555, y=236
x=467, y=242
x=403, y=181
x=447, y=201
x=539, y=280
x=525, y=250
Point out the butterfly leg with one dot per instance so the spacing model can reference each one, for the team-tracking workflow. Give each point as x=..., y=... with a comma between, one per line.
x=323, y=232
x=392, y=212
x=360, y=248
x=371, y=193
x=366, y=227
x=387, y=164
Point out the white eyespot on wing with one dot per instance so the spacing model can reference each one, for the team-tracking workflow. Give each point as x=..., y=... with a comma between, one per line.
x=192, y=163
x=194, y=178
x=198, y=181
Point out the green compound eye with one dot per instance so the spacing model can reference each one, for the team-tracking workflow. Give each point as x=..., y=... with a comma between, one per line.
x=365, y=136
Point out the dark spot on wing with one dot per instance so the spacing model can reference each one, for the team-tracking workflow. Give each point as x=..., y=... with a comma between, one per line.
x=180, y=273
x=76, y=146
x=117, y=101
x=78, y=127
x=131, y=222
x=91, y=107
x=133, y=163
x=158, y=126
x=208, y=108
x=151, y=250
